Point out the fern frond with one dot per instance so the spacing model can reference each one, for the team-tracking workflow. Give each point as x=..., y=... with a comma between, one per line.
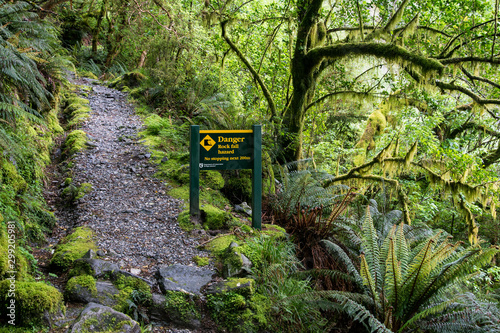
x=344, y=258
x=371, y=249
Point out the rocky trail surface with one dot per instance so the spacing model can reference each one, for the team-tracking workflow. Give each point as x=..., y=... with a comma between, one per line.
x=134, y=220
x=133, y=217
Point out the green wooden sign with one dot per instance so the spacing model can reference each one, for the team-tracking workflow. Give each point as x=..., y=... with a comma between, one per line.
x=226, y=150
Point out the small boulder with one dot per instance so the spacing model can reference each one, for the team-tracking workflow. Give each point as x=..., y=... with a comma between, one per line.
x=84, y=289
x=242, y=286
x=243, y=208
x=99, y=318
x=235, y=263
x=95, y=267
x=180, y=277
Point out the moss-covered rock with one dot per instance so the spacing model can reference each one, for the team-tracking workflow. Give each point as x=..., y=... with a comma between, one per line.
x=131, y=289
x=76, y=109
x=211, y=179
x=239, y=313
x=31, y=300
x=181, y=308
x=219, y=244
x=84, y=281
x=130, y=80
x=73, y=247
x=75, y=142
x=242, y=286
x=99, y=318
x=214, y=218
x=72, y=192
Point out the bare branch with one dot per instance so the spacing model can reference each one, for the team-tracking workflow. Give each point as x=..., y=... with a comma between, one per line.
x=459, y=35
x=478, y=78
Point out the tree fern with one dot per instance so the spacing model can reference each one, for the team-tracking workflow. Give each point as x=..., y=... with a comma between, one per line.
x=413, y=278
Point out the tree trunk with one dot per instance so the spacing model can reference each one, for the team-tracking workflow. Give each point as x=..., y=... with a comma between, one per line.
x=304, y=83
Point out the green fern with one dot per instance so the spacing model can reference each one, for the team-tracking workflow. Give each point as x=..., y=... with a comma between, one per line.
x=405, y=283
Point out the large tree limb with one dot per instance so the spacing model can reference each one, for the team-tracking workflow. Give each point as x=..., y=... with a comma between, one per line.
x=389, y=52
x=244, y=60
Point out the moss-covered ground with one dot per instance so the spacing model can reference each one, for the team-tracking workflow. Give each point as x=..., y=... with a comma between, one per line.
x=73, y=247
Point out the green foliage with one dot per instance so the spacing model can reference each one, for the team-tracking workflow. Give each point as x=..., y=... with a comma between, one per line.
x=140, y=291
x=73, y=247
x=401, y=283
x=27, y=44
x=31, y=299
x=273, y=304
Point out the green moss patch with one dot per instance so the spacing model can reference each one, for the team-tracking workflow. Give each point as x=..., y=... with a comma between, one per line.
x=73, y=247
x=85, y=281
x=32, y=299
x=75, y=142
x=219, y=244
x=239, y=313
x=211, y=179
x=184, y=220
x=274, y=230
x=214, y=218
x=201, y=261
x=181, y=306
x=76, y=109
x=12, y=177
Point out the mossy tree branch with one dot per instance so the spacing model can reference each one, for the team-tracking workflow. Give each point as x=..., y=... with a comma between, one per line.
x=389, y=52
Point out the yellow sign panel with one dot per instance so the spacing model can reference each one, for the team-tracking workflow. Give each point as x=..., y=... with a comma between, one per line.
x=207, y=142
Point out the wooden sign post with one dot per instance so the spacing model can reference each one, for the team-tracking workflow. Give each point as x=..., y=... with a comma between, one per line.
x=226, y=150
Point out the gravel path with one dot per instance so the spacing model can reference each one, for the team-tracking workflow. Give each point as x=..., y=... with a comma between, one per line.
x=133, y=217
